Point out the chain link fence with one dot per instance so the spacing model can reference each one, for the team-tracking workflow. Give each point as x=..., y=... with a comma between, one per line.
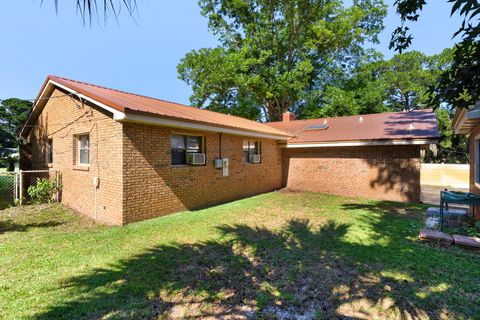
x=14, y=186
x=8, y=189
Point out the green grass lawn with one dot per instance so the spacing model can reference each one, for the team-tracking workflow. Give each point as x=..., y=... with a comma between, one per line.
x=268, y=256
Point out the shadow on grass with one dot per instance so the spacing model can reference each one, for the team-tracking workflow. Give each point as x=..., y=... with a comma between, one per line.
x=9, y=226
x=298, y=270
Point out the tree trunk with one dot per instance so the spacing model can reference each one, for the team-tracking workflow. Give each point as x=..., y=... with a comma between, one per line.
x=276, y=107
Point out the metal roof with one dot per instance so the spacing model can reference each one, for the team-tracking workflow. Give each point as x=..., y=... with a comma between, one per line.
x=421, y=124
x=130, y=103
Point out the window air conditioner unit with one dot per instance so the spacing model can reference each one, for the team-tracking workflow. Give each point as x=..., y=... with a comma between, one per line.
x=196, y=158
x=255, y=158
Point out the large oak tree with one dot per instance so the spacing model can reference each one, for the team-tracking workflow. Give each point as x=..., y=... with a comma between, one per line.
x=272, y=51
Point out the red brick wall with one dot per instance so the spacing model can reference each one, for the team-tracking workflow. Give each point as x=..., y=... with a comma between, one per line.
x=376, y=172
x=152, y=187
x=63, y=118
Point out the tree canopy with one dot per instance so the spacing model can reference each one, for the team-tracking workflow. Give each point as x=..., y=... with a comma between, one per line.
x=272, y=52
x=13, y=114
x=399, y=84
x=452, y=148
x=459, y=85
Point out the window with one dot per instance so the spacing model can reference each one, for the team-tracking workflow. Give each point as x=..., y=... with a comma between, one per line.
x=83, y=149
x=181, y=145
x=49, y=151
x=250, y=148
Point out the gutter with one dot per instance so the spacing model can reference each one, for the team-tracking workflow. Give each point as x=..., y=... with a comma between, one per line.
x=363, y=143
x=140, y=118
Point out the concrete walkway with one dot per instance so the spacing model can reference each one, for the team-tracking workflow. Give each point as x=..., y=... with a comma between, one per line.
x=431, y=194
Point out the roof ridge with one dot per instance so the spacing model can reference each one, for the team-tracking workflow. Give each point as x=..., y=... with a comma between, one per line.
x=151, y=98
x=355, y=115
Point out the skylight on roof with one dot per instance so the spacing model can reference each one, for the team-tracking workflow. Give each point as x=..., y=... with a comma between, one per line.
x=317, y=127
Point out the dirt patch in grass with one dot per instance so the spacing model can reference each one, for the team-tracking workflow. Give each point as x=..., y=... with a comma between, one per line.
x=46, y=216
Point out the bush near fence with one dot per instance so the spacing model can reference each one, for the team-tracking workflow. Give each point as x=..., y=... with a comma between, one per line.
x=31, y=178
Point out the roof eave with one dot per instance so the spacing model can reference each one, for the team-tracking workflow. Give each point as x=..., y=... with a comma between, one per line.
x=140, y=117
x=364, y=143
x=466, y=120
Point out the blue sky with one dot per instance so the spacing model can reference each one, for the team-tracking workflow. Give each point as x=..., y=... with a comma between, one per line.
x=139, y=56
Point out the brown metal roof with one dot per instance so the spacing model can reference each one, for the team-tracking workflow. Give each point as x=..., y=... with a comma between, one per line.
x=134, y=103
x=421, y=124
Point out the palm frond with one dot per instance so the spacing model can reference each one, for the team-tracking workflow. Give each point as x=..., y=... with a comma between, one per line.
x=90, y=8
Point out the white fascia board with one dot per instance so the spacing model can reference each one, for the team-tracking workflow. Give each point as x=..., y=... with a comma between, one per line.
x=115, y=112
x=466, y=115
x=193, y=126
x=459, y=125
x=363, y=143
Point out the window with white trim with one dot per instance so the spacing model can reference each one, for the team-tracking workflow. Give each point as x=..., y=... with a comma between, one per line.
x=83, y=149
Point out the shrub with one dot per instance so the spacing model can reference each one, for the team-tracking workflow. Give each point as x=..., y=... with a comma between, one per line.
x=42, y=191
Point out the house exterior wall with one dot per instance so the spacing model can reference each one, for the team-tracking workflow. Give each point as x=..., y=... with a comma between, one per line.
x=61, y=120
x=376, y=172
x=474, y=187
x=138, y=182
x=153, y=187
x=473, y=154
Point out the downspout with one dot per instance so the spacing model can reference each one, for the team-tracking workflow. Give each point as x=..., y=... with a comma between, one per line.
x=220, y=145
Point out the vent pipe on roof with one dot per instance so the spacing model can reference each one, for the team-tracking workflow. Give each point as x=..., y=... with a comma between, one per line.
x=360, y=119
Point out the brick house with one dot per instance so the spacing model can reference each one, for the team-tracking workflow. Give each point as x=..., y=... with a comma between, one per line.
x=126, y=157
